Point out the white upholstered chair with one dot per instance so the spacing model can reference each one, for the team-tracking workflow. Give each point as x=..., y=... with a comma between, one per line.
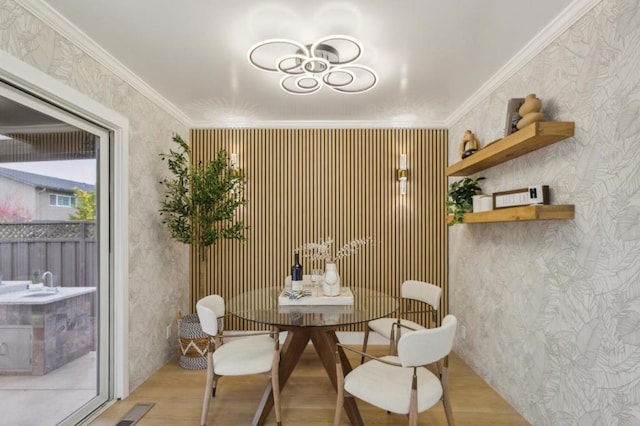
x=244, y=355
x=402, y=384
x=412, y=291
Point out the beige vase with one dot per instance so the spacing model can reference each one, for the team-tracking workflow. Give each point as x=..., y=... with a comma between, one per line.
x=532, y=117
x=531, y=104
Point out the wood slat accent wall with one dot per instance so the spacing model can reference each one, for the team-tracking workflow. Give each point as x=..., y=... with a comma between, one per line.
x=304, y=185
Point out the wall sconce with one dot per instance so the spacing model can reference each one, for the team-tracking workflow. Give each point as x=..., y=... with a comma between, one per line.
x=233, y=159
x=235, y=170
x=402, y=174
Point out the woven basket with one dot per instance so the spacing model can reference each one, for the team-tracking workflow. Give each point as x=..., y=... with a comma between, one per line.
x=193, y=343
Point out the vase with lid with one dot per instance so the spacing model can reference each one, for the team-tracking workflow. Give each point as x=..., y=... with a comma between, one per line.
x=331, y=281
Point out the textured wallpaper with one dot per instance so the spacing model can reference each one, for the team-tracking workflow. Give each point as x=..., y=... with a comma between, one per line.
x=158, y=273
x=552, y=309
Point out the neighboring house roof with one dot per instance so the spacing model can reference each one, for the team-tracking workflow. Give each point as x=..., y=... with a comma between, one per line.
x=47, y=182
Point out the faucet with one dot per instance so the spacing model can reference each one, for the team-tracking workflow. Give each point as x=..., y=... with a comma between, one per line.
x=44, y=281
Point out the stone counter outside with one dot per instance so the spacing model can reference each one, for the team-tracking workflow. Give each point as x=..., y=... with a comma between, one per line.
x=62, y=326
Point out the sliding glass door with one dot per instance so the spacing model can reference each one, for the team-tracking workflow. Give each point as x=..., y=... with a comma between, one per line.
x=55, y=311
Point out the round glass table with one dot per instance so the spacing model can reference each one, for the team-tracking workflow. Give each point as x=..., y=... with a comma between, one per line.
x=307, y=322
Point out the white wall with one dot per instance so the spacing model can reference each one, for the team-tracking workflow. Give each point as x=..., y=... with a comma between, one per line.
x=158, y=273
x=552, y=309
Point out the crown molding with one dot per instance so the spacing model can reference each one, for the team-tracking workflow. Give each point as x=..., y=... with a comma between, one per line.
x=569, y=16
x=319, y=124
x=75, y=35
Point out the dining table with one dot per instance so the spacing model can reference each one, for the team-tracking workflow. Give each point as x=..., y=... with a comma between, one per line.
x=305, y=322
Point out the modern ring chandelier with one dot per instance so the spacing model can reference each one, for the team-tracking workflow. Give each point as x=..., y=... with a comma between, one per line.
x=306, y=69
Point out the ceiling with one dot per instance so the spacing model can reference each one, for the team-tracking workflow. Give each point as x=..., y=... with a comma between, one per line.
x=431, y=56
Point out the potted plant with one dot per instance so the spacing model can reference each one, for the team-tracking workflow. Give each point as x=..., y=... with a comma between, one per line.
x=198, y=208
x=460, y=199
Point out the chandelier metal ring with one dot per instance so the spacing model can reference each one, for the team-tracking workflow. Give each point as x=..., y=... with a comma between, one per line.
x=326, y=78
x=367, y=71
x=326, y=41
x=275, y=44
x=327, y=62
x=295, y=68
x=291, y=84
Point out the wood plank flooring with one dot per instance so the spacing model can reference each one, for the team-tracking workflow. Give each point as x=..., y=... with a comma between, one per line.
x=308, y=399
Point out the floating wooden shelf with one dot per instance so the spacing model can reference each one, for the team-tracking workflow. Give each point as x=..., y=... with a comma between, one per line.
x=523, y=213
x=524, y=141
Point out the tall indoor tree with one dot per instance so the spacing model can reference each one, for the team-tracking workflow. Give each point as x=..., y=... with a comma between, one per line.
x=200, y=201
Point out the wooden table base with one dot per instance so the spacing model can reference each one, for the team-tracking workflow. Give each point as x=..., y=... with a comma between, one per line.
x=324, y=341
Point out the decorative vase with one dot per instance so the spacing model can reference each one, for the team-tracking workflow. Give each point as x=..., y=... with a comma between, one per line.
x=193, y=343
x=476, y=202
x=532, y=117
x=331, y=281
x=531, y=104
x=482, y=203
x=530, y=111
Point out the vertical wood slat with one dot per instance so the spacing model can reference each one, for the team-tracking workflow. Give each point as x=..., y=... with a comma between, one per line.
x=304, y=185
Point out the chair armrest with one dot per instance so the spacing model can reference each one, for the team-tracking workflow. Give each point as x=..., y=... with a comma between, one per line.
x=274, y=334
x=396, y=324
x=384, y=361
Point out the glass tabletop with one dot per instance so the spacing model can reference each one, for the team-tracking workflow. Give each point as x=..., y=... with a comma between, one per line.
x=262, y=306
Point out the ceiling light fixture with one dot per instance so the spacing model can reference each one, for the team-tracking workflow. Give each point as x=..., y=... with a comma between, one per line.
x=327, y=62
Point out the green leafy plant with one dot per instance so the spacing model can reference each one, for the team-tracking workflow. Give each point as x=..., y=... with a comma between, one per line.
x=200, y=201
x=460, y=199
x=85, y=205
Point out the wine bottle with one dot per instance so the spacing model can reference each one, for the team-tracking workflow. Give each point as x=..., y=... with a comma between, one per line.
x=296, y=273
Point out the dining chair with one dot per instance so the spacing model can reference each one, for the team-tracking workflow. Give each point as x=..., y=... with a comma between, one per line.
x=245, y=354
x=412, y=292
x=402, y=384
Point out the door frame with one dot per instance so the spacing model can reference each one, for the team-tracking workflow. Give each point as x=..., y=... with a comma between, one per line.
x=31, y=80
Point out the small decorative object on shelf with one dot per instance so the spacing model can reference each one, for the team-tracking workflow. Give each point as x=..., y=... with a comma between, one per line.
x=512, y=115
x=536, y=194
x=468, y=145
x=530, y=111
x=482, y=203
x=460, y=200
x=296, y=274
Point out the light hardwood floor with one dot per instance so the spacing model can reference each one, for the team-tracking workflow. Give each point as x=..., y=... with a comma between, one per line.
x=307, y=399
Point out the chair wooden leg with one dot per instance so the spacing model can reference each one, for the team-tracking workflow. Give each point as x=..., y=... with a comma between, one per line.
x=413, y=403
x=446, y=402
x=392, y=339
x=340, y=390
x=364, y=344
x=208, y=390
x=275, y=385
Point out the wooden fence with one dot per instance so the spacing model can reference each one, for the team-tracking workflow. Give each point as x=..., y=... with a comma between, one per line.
x=67, y=249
